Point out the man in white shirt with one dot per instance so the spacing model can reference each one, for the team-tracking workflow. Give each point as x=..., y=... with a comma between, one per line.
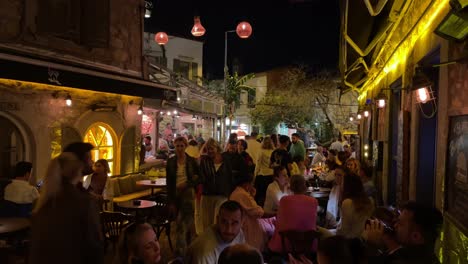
x=206, y=248
x=337, y=145
x=253, y=146
x=318, y=157
x=19, y=191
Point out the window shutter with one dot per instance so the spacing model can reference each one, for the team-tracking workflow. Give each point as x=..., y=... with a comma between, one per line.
x=59, y=18
x=95, y=23
x=176, y=66
x=194, y=71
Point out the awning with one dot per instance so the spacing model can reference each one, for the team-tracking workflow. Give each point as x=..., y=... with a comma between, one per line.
x=41, y=71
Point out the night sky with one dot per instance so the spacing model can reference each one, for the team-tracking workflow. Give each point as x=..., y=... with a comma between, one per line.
x=284, y=32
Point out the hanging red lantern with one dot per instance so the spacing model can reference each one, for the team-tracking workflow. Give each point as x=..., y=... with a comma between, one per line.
x=161, y=38
x=244, y=30
x=198, y=30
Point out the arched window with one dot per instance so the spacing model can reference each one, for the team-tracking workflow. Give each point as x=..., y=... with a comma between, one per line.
x=100, y=136
x=12, y=146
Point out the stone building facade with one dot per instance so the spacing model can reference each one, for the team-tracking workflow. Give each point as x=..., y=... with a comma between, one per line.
x=90, y=51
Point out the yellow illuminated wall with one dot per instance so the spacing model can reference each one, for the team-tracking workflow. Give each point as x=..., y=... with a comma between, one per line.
x=100, y=136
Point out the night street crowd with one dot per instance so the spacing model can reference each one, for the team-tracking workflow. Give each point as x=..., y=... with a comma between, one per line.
x=270, y=199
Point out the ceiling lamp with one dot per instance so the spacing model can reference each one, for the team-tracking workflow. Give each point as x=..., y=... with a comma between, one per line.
x=198, y=30
x=140, y=110
x=359, y=116
x=244, y=30
x=161, y=38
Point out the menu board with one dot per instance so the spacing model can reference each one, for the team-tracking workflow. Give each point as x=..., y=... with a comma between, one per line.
x=457, y=176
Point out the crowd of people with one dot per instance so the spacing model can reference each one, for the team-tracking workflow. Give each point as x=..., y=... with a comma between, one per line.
x=230, y=204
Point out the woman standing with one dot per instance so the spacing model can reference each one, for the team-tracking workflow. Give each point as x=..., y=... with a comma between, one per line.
x=97, y=183
x=263, y=172
x=65, y=222
x=182, y=176
x=217, y=180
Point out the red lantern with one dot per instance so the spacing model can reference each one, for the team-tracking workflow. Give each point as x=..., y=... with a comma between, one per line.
x=244, y=29
x=161, y=38
x=198, y=30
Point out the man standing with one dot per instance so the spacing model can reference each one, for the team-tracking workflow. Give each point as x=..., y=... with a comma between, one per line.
x=227, y=231
x=253, y=146
x=149, y=150
x=337, y=145
x=281, y=156
x=297, y=149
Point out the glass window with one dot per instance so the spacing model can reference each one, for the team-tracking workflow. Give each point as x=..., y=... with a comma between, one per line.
x=100, y=137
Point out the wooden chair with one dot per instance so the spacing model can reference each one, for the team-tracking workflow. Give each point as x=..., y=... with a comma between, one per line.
x=112, y=224
x=160, y=218
x=300, y=242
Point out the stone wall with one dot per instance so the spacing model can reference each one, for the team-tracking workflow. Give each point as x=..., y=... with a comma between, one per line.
x=18, y=30
x=43, y=112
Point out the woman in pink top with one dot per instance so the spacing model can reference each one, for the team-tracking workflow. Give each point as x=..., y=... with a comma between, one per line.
x=295, y=212
x=258, y=226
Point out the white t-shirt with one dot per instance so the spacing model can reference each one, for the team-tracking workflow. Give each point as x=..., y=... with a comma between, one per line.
x=273, y=196
x=20, y=192
x=206, y=248
x=337, y=145
x=253, y=148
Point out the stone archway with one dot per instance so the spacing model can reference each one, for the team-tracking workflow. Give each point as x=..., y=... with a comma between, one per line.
x=16, y=144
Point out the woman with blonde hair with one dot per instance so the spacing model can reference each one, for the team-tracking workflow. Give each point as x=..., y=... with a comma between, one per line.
x=138, y=243
x=217, y=179
x=353, y=165
x=97, y=183
x=65, y=222
x=263, y=173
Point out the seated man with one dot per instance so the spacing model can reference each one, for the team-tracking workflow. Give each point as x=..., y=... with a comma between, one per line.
x=19, y=192
x=208, y=246
x=416, y=230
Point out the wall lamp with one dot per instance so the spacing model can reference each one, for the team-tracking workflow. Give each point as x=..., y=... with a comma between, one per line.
x=63, y=94
x=148, y=8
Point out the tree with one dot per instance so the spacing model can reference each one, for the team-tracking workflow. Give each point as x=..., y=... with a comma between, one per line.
x=235, y=84
x=299, y=99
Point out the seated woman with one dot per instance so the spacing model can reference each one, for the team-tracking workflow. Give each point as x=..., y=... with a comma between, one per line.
x=356, y=208
x=138, y=243
x=295, y=212
x=335, y=194
x=97, y=183
x=258, y=226
x=276, y=190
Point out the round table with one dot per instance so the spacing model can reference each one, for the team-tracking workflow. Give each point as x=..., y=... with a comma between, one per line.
x=158, y=183
x=131, y=205
x=138, y=208
x=10, y=225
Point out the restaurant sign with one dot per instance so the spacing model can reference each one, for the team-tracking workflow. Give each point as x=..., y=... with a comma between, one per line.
x=9, y=106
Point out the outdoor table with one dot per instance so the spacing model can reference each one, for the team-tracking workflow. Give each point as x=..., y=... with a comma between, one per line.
x=322, y=195
x=11, y=225
x=158, y=183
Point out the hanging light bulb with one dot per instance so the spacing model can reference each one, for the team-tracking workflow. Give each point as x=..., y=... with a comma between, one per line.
x=161, y=38
x=168, y=113
x=422, y=95
x=366, y=113
x=359, y=116
x=381, y=99
x=351, y=118
x=68, y=100
x=244, y=30
x=175, y=112
x=197, y=30
x=140, y=110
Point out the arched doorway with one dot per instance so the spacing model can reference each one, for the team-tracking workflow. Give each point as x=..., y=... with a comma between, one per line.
x=12, y=146
x=102, y=137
